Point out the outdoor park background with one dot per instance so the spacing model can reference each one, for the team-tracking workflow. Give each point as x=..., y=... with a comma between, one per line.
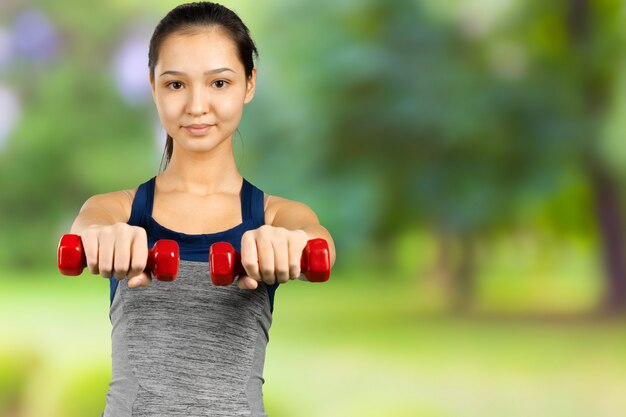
x=468, y=157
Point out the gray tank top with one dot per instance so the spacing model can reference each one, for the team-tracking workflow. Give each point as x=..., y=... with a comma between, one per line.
x=188, y=348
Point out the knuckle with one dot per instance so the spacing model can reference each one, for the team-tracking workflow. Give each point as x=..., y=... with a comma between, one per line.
x=137, y=265
x=120, y=267
x=93, y=267
x=118, y=226
x=248, y=261
x=265, y=229
x=248, y=264
x=140, y=234
x=92, y=261
x=301, y=239
x=106, y=230
x=91, y=232
x=249, y=235
x=122, y=234
x=119, y=275
x=294, y=270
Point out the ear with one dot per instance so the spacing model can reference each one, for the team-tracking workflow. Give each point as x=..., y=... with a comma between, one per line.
x=151, y=85
x=250, y=87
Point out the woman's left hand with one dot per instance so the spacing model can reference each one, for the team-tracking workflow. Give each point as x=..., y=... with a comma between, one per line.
x=271, y=254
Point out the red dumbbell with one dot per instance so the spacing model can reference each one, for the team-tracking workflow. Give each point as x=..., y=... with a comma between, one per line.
x=225, y=263
x=163, y=258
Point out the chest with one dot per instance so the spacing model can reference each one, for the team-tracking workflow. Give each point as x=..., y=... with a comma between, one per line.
x=190, y=214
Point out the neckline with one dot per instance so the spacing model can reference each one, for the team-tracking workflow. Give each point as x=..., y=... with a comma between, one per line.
x=244, y=199
x=180, y=236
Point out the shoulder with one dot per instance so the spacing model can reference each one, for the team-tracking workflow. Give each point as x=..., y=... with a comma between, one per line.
x=117, y=203
x=278, y=209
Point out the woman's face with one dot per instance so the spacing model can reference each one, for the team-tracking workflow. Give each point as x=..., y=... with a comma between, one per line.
x=199, y=88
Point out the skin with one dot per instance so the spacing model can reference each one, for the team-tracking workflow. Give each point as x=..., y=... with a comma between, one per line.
x=199, y=191
x=202, y=172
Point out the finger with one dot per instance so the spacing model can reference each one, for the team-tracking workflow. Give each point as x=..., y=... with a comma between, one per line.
x=138, y=255
x=244, y=282
x=105, y=254
x=266, y=260
x=142, y=280
x=281, y=259
x=121, y=257
x=295, y=258
x=90, y=245
x=249, y=256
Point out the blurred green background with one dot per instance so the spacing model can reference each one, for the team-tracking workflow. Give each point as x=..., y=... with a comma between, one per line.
x=468, y=157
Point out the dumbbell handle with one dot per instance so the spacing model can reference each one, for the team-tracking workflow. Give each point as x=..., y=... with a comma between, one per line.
x=162, y=263
x=225, y=262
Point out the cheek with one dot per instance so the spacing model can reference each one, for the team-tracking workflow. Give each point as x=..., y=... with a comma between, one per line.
x=229, y=108
x=170, y=108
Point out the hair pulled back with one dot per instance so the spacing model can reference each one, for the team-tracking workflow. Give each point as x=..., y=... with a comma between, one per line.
x=191, y=17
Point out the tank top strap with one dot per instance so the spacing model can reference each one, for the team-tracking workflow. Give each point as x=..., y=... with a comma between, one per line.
x=142, y=204
x=246, y=200
x=256, y=206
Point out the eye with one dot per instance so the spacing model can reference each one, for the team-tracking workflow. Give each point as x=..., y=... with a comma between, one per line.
x=220, y=83
x=176, y=85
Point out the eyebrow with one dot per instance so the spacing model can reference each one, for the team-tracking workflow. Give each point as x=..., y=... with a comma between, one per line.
x=209, y=72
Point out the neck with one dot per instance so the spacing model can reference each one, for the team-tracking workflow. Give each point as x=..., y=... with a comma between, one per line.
x=202, y=173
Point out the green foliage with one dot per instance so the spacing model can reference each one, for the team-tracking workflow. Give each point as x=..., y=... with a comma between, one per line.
x=85, y=394
x=396, y=116
x=17, y=368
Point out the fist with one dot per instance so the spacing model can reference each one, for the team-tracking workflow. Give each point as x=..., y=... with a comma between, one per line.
x=118, y=250
x=271, y=254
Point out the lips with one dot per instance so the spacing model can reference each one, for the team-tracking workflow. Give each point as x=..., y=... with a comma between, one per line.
x=198, y=129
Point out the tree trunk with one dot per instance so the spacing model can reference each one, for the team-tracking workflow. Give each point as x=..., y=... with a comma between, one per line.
x=455, y=270
x=611, y=223
x=442, y=268
x=606, y=191
x=465, y=275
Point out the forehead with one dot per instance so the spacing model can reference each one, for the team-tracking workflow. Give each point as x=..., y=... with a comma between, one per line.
x=196, y=52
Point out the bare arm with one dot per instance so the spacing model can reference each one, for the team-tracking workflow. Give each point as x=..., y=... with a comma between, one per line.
x=112, y=247
x=272, y=252
x=104, y=210
x=293, y=215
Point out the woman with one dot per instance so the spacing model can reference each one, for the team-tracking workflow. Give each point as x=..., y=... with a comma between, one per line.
x=187, y=347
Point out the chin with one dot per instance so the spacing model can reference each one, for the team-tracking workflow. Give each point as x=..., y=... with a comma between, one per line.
x=200, y=144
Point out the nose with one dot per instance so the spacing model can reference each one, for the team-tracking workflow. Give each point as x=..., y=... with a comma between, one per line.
x=198, y=103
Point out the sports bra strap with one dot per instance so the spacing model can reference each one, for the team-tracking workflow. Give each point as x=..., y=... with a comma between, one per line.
x=257, y=206
x=246, y=199
x=138, y=212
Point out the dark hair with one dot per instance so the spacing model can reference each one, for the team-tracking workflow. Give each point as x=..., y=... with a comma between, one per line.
x=189, y=18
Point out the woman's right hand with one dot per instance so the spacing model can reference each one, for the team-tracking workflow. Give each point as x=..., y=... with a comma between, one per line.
x=118, y=250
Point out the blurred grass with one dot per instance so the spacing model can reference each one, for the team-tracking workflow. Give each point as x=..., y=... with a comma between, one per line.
x=356, y=345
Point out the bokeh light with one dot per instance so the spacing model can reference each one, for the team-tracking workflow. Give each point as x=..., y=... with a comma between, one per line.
x=10, y=114
x=6, y=47
x=35, y=37
x=130, y=66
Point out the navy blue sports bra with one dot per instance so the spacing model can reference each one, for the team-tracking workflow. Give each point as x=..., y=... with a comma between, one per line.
x=195, y=247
